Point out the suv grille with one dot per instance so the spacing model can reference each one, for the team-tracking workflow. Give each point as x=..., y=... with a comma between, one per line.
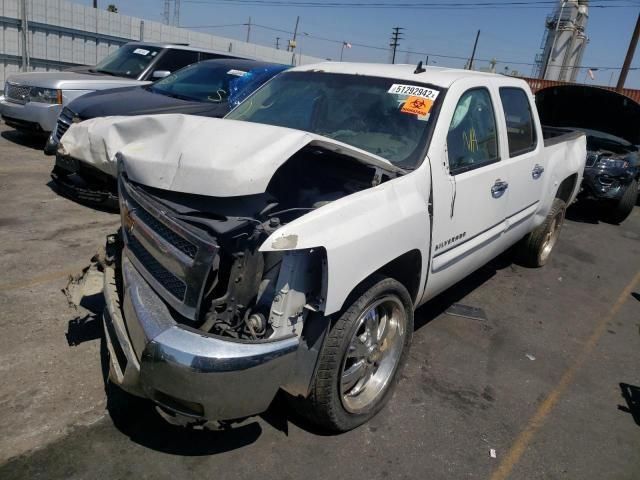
x=64, y=122
x=17, y=93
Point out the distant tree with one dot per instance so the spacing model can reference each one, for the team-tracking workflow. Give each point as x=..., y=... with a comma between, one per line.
x=112, y=8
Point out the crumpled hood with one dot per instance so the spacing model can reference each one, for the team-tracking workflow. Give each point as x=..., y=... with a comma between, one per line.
x=199, y=155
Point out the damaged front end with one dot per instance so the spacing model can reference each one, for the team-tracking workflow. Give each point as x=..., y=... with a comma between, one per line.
x=609, y=170
x=197, y=318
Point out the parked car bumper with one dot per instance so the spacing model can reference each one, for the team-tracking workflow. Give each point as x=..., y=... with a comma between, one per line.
x=39, y=117
x=84, y=183
x=184, y=370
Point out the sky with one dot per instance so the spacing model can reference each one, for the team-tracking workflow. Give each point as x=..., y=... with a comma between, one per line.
x=509, y=33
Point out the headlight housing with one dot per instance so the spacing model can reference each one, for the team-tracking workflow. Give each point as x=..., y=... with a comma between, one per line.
x=612, y=163
x=45, y=95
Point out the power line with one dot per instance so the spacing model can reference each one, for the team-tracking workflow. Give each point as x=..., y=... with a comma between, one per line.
x=386, y=49
x=381, y=48
x=413, y=5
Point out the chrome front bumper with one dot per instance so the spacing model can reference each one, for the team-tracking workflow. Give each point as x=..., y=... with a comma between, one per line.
x=183, y=369
x=38, y=116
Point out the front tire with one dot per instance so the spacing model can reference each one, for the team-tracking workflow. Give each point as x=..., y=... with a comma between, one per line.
x=619, y=211
x=360, y=360
x=535, y=249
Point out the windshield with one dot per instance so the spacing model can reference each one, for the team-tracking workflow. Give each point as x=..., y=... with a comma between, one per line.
x=128, y=61
x=206, y=82
x=386, y=117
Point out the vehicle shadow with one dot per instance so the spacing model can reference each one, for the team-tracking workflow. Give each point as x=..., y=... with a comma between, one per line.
x=631, y=395
x=439, y=304
x=584, y=211
x=35, y=141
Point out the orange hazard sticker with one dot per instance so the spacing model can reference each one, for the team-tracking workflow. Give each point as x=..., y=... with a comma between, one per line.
x=417, y=105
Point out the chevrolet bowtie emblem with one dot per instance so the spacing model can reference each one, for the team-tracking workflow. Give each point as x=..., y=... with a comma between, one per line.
x=129, y=222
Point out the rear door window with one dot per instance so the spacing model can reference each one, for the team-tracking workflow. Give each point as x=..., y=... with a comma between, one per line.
x=521, y=131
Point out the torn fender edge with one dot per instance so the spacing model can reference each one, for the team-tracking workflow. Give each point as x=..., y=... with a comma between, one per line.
x=363, y=232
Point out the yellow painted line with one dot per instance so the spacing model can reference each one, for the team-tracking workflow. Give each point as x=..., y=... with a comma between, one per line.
x=522, y=442
x=47, y=277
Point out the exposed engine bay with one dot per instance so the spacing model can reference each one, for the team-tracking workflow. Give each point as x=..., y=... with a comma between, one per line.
x=251, y=295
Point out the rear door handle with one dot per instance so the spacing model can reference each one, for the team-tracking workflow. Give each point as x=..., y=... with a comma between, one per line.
x=537, y=171
x=499, y=188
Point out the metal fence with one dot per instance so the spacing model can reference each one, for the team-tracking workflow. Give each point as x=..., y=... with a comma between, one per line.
x=62, y=34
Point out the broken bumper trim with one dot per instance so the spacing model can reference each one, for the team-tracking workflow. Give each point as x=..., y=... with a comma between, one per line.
x=72, y=185
x=185, y=370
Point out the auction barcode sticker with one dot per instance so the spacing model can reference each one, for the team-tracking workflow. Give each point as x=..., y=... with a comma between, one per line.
x=414, y=91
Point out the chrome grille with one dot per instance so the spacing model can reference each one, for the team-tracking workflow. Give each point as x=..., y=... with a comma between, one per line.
x=17, y=93
x=186, y=247
x=168, y=280
x=65, y=119
x=174, y=258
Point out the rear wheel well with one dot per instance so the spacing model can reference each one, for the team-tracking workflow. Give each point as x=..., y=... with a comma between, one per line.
x=566, y=188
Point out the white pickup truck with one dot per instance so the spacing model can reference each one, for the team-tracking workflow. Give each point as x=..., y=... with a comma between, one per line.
x=288, y=245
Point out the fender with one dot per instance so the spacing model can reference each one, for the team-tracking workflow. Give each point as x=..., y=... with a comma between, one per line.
x=363, y=232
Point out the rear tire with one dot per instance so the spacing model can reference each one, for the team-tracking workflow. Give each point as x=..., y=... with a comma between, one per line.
x=535, y=249
x=369, y=342
x=619, y=211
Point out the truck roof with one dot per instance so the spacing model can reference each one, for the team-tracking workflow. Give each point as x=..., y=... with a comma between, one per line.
x=440, y=76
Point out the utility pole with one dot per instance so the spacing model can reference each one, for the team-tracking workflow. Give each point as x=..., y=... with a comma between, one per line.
x=248, y=29
x=396, y=36
x=292, y=43
x=473, y=53
x=277, y=43
x=627, y=61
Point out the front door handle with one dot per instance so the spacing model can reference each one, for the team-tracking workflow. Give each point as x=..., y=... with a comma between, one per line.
x=499, y=188
x=537, y=171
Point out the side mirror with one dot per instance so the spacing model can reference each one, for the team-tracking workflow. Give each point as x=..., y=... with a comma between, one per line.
x=161, y=74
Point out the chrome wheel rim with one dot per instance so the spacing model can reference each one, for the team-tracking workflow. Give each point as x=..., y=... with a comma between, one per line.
x=552, y=236
x=373, y=354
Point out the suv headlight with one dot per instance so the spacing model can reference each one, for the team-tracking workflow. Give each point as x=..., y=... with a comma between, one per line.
x=612, y=163
x=45, y=95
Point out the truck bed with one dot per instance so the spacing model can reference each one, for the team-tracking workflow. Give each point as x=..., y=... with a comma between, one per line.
x=554, y=135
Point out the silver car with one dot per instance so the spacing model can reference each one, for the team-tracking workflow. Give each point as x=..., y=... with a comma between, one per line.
x=33, y=100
